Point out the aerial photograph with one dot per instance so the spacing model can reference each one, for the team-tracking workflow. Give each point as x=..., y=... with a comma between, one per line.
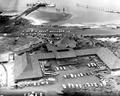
x=59, y=47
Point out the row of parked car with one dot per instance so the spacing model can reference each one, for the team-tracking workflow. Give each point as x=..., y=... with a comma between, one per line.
x=64, y=68
x=72, y=76
x=81, y=86
x=90, y=65
x=93, y=85
x=40, y=82
x=61, y=68
x=34, y=94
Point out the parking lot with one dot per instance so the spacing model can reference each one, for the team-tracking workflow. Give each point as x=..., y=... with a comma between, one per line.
x=76, y=75
x=80, y=76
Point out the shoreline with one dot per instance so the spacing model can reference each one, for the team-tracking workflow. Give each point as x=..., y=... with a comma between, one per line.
x=50, y=17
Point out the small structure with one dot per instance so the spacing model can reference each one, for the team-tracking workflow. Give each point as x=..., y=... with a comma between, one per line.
x=66, y=42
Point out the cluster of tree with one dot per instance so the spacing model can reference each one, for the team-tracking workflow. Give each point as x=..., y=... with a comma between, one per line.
x=85, y=93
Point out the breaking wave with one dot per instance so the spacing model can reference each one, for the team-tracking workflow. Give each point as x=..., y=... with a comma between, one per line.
x=113, y=25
